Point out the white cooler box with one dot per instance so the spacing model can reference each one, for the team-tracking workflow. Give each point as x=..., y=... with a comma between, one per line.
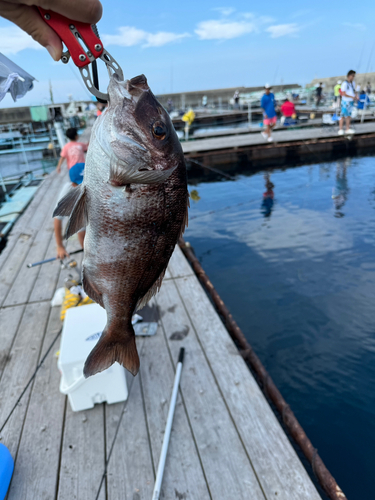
x=82, y=328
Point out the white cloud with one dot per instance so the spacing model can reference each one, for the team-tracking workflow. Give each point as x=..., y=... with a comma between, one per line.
x=240, y=24
x=129, y=36
x=223, y=30
x=266, y=20
x=283, y=30
x=13, y=40
x=225, y=11
x=163, y=37
x=300, y=13
x=357, y=26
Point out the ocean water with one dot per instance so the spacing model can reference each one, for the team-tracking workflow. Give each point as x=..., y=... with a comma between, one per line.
x=292, y=254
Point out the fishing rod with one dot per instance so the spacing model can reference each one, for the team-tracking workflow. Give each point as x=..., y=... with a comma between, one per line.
x=168, y=428
x=52, y=259
x=217, y=171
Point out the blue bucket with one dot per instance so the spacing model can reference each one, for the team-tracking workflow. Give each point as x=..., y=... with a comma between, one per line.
x=6, y=470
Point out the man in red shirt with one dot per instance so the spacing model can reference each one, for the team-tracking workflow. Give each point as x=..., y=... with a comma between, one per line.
x=288, y=109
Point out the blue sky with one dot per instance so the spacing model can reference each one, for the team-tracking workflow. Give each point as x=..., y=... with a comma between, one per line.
x=199, y=45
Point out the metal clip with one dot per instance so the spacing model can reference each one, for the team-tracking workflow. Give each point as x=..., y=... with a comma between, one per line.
x=76, y=36
x=91, y=80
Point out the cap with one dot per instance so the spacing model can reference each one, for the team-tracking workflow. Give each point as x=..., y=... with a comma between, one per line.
x=76, y=173
x=339, y=82
x=267, y=86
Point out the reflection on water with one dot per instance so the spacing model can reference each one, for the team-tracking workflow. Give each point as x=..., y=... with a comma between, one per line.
x=340, y=191
x=268, y=196
x=294, y=260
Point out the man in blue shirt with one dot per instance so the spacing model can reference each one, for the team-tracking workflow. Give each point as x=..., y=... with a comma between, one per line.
x=268, y=105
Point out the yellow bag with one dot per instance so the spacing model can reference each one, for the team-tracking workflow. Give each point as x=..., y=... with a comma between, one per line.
x=73, y=300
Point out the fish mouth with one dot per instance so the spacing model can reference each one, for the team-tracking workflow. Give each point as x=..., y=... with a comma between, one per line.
x=118, y=90
x=127, y=90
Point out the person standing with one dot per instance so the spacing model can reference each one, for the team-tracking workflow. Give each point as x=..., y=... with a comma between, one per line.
x=73, y=151
x=268, y=104
x=363, y=101
x=336, y=92
x=319, y=91
x=348, y=97
x=76, y=178
x=368, y=88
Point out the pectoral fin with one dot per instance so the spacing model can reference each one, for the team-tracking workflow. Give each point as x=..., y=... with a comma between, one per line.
x=78, y=217
x=65, y=206
x=121, y=176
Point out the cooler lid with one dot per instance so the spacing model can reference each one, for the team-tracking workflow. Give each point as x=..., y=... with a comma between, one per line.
x=82, y=329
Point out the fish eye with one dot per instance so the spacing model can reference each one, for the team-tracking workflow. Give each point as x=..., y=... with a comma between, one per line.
x=159, y=130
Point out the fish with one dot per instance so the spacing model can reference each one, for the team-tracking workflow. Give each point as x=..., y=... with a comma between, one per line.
x=133, y=202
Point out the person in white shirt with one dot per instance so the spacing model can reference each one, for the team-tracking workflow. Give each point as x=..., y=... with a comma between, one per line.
x=348, y=97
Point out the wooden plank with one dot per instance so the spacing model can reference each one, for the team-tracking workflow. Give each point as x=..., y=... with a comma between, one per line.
x=183, y=477
x=227, y=468
x=21, y=224
x=178, y=265
x=9, y=321
x=279, y=136
x=51, y=276
x=16, y=259
x=130, y=471
x=37, y=465
x=48, y=202
x=24, y=358
x=82, y=454
x=24, y=282
x=46, y=281
x=64, y=273
x=277, y=466
x=13, y=264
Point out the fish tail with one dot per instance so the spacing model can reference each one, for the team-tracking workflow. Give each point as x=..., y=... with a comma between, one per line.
x=114, y=345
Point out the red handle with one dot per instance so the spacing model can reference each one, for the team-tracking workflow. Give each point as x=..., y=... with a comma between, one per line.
x=62, y=26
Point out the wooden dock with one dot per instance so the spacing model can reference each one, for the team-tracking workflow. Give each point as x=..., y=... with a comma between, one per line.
x=280, y=136
x=292, y=147
x=226, y=442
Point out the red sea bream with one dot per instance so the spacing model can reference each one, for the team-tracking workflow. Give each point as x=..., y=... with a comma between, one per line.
x=133, y=202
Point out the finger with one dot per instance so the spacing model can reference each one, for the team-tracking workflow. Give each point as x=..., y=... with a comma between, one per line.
x=29, y=20
x=86, y=11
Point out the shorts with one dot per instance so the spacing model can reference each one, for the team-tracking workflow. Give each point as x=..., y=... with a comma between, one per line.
x=270, y=121
x=346, y=108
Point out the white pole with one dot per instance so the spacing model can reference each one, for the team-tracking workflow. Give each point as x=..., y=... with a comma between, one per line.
x=364, y=108
x=60, y=134
x=24, y=153
x=2, y=184
x=168, y=428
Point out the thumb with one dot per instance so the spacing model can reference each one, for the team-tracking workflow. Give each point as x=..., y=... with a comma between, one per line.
x=30, y=20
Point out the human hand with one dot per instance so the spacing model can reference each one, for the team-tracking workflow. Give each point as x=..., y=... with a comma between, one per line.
x=24, y=14
x=61, y=252
x=58, y=168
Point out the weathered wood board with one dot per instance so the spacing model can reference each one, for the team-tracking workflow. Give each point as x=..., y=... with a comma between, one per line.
x=225, y=441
